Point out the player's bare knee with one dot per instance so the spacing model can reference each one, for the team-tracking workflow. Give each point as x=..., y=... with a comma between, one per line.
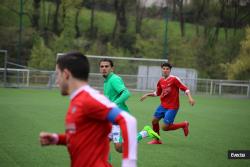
x=118, y=147
x=165, y=127
x=155, y=121
x=119, y=150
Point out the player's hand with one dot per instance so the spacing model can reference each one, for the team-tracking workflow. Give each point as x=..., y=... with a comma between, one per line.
x=48, y=138
x=191, y=101
x=143, y=97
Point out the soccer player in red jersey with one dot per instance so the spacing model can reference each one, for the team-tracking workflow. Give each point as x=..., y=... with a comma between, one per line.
x=89, y=117
x=168, y=90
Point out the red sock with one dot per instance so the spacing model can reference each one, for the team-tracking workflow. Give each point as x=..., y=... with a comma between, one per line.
x=156, y=128
x=176, y=126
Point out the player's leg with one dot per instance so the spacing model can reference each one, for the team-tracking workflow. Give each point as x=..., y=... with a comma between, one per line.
x=113, y=136
x=170, y=125
x=118, y=147
x=159, y=113
x=116, y=138
x=147, y=131
x=155, y=124
x=110, y=136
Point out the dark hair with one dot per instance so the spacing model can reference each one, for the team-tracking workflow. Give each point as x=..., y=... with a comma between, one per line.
x=76, y=63
x=107, y=60
x=166, y=64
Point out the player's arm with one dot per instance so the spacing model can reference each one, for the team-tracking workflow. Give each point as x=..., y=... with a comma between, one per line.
x=47, y=138
x=123, y=96
x=122, y=90
x=190, y=98
x=152, y=94
x=128, y=127
x=186, y=90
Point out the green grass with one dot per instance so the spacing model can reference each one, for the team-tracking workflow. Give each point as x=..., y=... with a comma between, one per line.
x=216, y=125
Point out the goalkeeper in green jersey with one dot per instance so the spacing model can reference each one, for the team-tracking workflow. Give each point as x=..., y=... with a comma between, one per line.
x=115, y=89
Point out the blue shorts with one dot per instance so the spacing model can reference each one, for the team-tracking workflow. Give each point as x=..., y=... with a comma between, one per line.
x=168, y=115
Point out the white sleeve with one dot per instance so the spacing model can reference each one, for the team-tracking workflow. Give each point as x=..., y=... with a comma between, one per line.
x=128, y=125
x=128, y=163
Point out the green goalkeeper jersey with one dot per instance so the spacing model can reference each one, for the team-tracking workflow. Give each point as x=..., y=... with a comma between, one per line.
x=116, y=91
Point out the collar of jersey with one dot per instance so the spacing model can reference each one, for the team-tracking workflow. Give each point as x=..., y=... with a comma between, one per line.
x=109, y=76
x=77, y=91
x=167, y=77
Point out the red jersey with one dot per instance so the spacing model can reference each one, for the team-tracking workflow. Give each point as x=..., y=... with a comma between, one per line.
x=87, y=128
x=168, y=90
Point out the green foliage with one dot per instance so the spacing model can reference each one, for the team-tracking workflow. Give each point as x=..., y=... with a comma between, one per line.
x=111, y=50
x=182, y=52
x=148, y=48
x=64, y=42
x=208, y=61
x=153, y=28
x=95, y=48
x=41, y=56
x=209, y=51
x=105, y=22
x=12, y=18
x=240, y=68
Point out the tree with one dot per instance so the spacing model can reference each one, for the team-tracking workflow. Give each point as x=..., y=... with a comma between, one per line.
x=121, y=20
x=78, y=33
x=220, y=20
x=92, y=30
x=150, y=48
x=65, y=41
x=174, y=10
x=140, y=9
x=236, y=14
x=78, y=4
x=198, y=8
x=41, y=56
x=36, y=14
x=240, y=69
x=55, y=27
x=181, y=16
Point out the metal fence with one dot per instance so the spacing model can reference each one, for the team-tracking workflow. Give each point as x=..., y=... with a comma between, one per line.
x=23, y=78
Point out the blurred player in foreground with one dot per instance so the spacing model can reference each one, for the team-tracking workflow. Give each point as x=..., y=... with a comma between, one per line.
x=89, y=117
x=168, y=90
x=115, y=89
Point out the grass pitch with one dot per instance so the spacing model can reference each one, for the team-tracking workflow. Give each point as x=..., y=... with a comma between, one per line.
x=217, y=124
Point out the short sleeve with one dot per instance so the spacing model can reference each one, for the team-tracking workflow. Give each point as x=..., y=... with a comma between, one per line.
x=158, y=89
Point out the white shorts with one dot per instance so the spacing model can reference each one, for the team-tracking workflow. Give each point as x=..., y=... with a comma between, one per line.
x=115, y=134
